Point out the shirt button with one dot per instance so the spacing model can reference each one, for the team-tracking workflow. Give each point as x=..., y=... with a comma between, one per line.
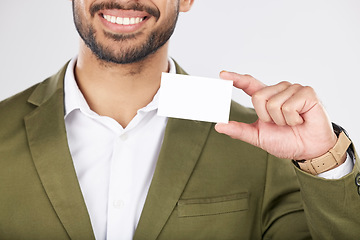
x=124, y=137
x=118, y=204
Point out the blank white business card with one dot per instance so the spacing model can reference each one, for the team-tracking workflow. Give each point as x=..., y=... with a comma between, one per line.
x=195, y=98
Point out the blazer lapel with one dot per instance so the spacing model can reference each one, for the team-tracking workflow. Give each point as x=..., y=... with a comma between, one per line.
x=48, y=145
x=182, y=146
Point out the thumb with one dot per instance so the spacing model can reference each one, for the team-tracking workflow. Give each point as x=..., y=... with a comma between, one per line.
x=241, y=131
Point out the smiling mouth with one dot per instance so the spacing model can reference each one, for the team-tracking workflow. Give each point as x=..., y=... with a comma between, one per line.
x=123, y=20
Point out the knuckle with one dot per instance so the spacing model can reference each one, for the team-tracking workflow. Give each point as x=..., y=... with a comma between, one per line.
x=272, y=105
x=257, y=98
x=296, y=85
x=247, y=75
x=308, y=90
x=284, y=83
x=309, y=93
x=286, y=108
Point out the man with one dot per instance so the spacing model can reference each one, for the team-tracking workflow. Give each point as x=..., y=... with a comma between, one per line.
x=84, y=155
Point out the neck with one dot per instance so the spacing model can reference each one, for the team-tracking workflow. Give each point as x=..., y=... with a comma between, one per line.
x=119, y=90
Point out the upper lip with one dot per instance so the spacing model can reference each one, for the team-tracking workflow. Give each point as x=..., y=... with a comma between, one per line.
x=117, y=10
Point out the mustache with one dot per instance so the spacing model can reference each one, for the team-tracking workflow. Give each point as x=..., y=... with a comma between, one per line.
x=114, y=5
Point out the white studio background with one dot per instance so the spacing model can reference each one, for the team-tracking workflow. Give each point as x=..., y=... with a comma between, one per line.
x=311, y=42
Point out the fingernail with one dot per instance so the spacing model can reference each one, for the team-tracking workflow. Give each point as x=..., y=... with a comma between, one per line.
x=223, y=71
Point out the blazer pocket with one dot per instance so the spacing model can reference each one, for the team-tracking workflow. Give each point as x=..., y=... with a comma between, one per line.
x=213, y=206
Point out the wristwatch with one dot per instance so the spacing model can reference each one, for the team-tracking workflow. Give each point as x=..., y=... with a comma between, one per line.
x=329, y=160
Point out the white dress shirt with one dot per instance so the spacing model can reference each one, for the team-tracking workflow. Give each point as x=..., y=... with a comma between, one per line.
x=115, y=165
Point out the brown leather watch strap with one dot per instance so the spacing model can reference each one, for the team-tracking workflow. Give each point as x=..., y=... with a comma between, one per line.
x=329, y=160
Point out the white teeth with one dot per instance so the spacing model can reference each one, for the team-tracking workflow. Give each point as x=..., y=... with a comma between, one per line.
x=113, y=19
x=107, y=17
x=123, y=21
x=119, y=20
x=126, y=21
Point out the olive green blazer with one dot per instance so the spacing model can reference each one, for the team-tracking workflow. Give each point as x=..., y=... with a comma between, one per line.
x=206, y=185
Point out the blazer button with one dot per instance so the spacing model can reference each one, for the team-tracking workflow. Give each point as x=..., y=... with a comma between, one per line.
x=357, y=180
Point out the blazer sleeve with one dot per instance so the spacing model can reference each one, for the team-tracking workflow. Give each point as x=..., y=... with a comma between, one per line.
x=332, y=207
x=283, y=214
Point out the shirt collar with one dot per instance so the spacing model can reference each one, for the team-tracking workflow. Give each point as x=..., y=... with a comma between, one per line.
x=153, y=105
x=75, y=100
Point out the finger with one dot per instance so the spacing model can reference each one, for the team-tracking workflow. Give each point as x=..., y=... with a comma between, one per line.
x=300, y=103
x=260, y=102
x=292, y=117
x=277, y=108
x=247, y=83
x=241, y=131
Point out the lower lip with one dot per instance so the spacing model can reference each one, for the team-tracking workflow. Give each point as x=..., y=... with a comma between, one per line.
x=119, y=28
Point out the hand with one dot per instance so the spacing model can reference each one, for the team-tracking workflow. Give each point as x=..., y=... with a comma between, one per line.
x=292, y=121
